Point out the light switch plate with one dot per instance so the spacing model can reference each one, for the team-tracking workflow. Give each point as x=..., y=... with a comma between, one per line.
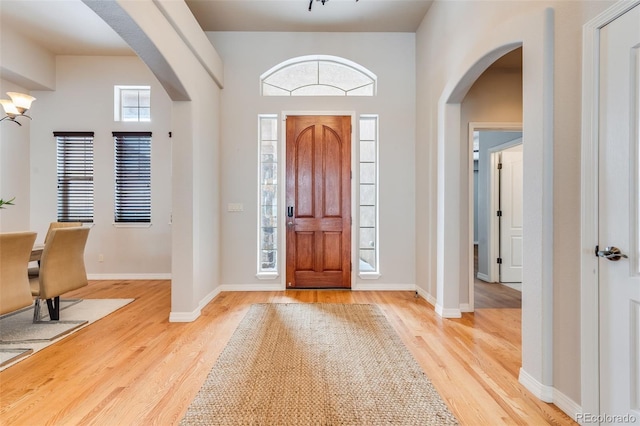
x=235, y=207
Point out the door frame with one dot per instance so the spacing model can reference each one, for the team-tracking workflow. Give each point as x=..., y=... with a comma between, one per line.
x=282, y=196
x=476, y=127
x=589, y=283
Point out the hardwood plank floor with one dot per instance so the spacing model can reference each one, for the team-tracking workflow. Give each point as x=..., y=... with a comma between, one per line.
x=135, y=368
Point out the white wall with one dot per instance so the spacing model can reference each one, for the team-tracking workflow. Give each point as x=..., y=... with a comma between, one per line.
x=14, y=166
x=246, y=56
x=551, y=326
x=83, y=101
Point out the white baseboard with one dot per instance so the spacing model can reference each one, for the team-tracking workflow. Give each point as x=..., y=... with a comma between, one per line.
x=445, y=313
x=383, y=287
x=540, y=391
x=483, y=277
x=185, y=316
x=566, y=404
x=426, y=296
x=449, y=312
x=252, y=287
x=166, y=276
x=193, y=315
x=550, y=394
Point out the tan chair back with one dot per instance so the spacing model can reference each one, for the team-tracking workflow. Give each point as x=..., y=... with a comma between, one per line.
x=62, y=266
x=15, y=250
x=56, y=225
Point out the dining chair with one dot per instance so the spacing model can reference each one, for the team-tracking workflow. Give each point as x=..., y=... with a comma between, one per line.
x=15, y=249
x=62, y=268
x=35, y=270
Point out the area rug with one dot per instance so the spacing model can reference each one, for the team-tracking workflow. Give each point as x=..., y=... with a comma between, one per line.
x=20, y=337
x=316, y=364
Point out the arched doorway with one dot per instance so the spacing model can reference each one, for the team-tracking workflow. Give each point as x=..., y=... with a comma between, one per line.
x=452, y=228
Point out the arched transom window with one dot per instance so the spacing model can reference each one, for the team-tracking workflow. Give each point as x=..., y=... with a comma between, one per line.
x=318, y=76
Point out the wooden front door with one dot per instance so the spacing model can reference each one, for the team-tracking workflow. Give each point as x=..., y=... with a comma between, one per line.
x=318, y=206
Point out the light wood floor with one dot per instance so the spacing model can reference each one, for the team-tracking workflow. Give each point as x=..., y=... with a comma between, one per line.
x=135, y=368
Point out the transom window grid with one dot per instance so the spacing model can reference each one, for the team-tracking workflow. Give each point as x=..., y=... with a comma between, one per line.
x=368, y=195
x=268, y=190
x=318, y=76
x=132, y=177
x=74, y=160
x=132, y=103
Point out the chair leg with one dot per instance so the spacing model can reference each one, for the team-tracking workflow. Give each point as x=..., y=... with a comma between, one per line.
x=54, y=308
x=36, y=311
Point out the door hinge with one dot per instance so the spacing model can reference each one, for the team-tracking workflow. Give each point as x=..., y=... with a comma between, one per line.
x=499, y=213
x=597, y=250
x=499, y=260
x=499, y=166
x=351, y=266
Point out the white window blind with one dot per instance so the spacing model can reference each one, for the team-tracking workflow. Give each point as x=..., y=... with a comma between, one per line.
x=75, y=176
x=133, y=177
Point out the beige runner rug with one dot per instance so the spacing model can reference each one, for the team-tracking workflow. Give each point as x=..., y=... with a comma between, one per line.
x=316, y=364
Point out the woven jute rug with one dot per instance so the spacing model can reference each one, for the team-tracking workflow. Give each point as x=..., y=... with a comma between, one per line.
x=316, y=364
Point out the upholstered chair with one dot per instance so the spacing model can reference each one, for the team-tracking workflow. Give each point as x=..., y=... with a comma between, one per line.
x=35, y=270
x=62, y=268
x=56, y=225
x=15, y=250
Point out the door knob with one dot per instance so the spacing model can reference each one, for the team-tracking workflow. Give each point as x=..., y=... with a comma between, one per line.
x=611, y=253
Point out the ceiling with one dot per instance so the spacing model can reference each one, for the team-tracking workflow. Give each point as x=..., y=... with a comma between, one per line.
x=69, y=27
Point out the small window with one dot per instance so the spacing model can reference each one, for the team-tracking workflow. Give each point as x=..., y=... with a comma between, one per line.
x=318, y=76
x=268, y=192
x=75, y=176
x=133, y=177
x=368, y=191
x=132, y=103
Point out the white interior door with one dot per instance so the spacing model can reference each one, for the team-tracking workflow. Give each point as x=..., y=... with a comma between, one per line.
x=511, y=219
x=619, y=222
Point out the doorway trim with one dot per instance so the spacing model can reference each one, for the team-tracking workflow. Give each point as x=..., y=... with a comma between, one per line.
x=474, y=127
x=589, y=291
x=282, y=195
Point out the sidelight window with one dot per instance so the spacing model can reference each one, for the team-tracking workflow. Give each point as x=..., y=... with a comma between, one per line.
x=368, y=197
x=268, y=192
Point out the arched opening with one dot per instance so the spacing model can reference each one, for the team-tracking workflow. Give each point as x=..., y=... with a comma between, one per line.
x=452, y=229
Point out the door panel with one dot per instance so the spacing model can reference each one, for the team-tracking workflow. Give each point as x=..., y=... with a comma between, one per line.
x=511, y=219
x=318, y=163
x=618, y=198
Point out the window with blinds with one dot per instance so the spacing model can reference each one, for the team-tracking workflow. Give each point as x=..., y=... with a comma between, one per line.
x=75, y=176
x=133, y=177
